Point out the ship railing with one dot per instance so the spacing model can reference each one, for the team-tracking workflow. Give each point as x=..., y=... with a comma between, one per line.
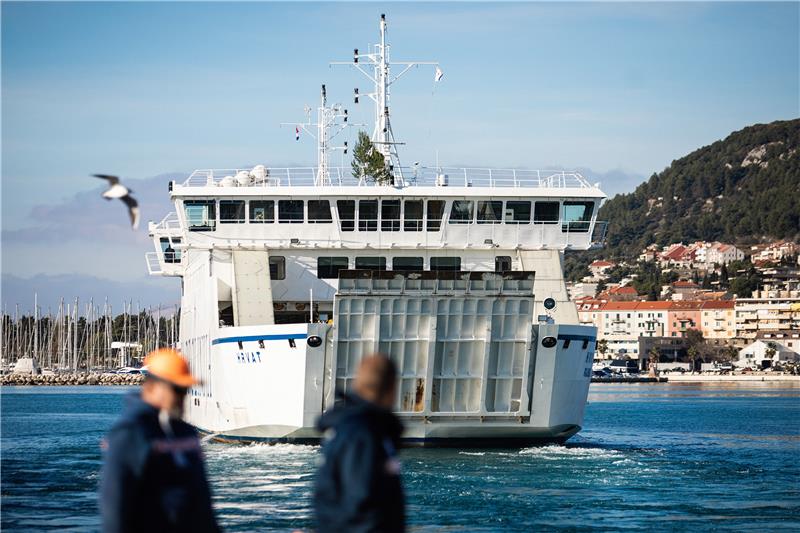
x=163, y=263
x=169, y=224
x=153, y=261
x=413, y=176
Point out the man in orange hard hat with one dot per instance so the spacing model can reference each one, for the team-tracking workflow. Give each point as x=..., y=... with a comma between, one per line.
x=153, y=476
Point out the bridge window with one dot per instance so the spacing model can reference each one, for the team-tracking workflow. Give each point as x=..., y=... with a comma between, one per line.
x=200, y=214
x=461, y=212
x=518, y=212
x=347, y=214
x=490, y=212
x=319, y=212
x=390, y=215
x=407, y=263
x=368, y=215
x=502, y=263
x=412, y=216
x=262, y=211
x=171, y=255
x=231, y=211
x=545, y=213
x=445, y=263
x=290, y=211
x=277, y=267
x=435, y=212
x=371, y=263
x=577, y=216
x=329, y=267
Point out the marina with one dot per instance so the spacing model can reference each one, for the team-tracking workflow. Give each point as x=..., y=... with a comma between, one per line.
x=681, y=454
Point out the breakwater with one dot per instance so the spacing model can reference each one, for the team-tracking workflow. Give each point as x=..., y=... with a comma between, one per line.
x=71, y=379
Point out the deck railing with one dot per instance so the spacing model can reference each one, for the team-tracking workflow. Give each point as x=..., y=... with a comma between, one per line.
x=169, y=224
x=413, y=176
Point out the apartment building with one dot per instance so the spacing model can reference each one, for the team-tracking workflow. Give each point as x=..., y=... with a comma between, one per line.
x=623, y=324
x=718, y=320
x=767, y=311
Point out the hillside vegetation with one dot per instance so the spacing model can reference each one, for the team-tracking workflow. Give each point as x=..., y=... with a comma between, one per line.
x=742, y=189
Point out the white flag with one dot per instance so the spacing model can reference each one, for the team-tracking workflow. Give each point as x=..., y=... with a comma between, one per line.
x=439, y=74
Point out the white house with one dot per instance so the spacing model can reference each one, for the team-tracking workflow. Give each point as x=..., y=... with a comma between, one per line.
x=763, y=354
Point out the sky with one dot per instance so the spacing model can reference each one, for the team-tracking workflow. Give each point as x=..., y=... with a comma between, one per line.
x=151, y=91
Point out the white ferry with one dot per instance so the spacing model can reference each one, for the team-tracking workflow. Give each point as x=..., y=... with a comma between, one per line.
x=291, y=275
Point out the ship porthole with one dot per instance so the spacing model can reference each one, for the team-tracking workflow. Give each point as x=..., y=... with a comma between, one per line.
x=314, y=341
x=549, y=303
x=549, y=342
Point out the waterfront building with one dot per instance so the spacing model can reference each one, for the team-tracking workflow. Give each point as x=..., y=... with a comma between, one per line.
x=774, y=252
x=767, y=311
x=670, y=349
x=789, y=338
x=706, y=255
x=718, y=320
x=765, y=353
x=699, y=255
x=684, y=290
x=581, y=289
x=683, y=316
x=650, y=253
x=621, y=293
x=722, y=254
x=599, y=269
x=623, y=324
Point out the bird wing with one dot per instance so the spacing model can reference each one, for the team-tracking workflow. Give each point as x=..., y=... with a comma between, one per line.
x=133, y=209
x=112, y=180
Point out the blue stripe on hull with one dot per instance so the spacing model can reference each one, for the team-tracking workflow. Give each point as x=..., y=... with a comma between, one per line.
x=252, y=338
x=568, y=337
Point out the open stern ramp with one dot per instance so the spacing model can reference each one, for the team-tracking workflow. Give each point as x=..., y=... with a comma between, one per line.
x=466, y=351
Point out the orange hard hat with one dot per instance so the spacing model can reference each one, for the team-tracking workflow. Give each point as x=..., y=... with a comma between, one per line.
x=169, y=365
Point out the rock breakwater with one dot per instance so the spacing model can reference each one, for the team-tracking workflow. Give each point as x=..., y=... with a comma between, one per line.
x=71, y=379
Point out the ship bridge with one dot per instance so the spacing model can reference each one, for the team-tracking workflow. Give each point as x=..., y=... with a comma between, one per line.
x=438, y=209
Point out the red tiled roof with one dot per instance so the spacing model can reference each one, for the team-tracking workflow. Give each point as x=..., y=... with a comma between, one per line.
x=675, y=252
x=685, y=285
x=601, y=263
x=627, y=289
x=633, y=306
x=655, y=305
x=687, y=305
x=712, y=295
x=718, y=304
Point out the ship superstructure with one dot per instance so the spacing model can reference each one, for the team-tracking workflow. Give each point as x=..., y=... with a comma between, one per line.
x=290, y=275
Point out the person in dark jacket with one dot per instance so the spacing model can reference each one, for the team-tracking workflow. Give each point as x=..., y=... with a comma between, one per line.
x=153, y=476
x=358, y=486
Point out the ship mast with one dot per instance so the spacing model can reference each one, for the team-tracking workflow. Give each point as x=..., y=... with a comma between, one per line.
x=382, y=135
x=327, y=128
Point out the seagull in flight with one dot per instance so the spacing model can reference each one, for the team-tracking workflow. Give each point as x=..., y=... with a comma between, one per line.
x=118, y=190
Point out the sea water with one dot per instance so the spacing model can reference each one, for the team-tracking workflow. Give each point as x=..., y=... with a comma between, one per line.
x=682, y=457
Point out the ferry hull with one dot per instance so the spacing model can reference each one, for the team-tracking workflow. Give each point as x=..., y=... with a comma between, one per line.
x=241, y=411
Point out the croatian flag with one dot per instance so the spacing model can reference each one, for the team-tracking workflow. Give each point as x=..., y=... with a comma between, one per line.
x=296, y=133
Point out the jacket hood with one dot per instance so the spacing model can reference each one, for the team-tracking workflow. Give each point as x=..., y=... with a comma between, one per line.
x=355, y=408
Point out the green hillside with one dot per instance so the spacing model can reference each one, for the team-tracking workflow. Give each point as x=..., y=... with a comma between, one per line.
x=742, y=189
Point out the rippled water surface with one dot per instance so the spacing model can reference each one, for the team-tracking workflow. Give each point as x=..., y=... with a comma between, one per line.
x=700, y=457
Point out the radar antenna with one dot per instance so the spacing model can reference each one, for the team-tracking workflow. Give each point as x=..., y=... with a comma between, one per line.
x=328, y=128
x=382, y=135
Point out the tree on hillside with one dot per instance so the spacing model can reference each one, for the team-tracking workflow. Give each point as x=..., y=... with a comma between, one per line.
x=368, y=163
